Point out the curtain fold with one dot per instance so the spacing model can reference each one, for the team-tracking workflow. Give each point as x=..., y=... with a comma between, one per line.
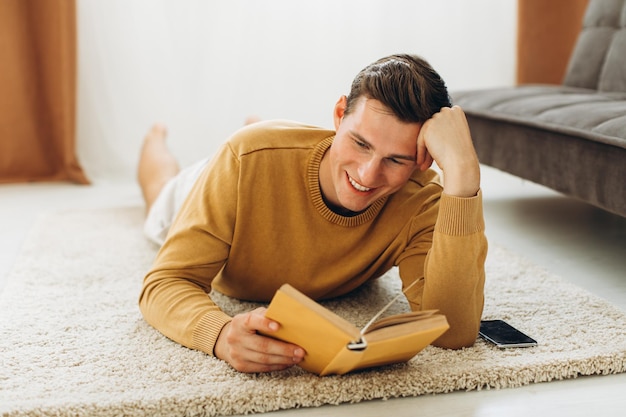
x=38, y=91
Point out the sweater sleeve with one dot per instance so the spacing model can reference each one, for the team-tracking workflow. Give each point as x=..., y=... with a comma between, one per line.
x=453, y=269
x=174, y=297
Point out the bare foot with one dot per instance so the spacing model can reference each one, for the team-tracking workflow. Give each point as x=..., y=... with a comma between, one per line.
x=157, y=164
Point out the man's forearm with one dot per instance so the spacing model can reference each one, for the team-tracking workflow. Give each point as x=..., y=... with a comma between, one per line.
x=455, y=273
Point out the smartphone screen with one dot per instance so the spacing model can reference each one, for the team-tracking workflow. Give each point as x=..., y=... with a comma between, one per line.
x=503, y=335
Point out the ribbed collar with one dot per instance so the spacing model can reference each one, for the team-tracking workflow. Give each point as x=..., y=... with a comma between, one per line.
x=316, y=192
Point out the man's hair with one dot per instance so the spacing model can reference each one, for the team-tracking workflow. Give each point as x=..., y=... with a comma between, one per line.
x=404, y=83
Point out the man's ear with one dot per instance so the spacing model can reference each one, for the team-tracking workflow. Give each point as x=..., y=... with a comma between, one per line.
x=340, y=110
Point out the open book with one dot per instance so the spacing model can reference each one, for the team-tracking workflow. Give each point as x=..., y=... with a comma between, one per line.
x=333, y=345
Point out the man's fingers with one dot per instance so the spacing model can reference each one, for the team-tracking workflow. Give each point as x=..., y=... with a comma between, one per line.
x=428, y=161
x=255, y=321
x=259, y=353
x=422, y=151
x=424, y=158
x=265, y=350
x=249, y=351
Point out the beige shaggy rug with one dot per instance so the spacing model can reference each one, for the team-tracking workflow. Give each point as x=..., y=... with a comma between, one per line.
x=72, y=340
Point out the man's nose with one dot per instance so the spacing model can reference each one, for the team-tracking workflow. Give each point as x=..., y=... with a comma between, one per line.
x=369, y=171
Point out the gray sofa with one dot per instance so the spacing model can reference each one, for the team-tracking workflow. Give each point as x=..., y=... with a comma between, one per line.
x=569, y=137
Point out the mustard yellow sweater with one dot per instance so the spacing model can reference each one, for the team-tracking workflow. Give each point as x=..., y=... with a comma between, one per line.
x=255, y=219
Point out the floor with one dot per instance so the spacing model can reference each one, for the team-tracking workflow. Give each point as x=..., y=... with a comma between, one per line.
x=570, y=238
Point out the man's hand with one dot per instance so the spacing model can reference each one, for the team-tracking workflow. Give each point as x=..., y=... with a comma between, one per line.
x=445, y=138
x=244, y=349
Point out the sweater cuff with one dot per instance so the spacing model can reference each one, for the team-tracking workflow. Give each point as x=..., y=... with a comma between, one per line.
x=459, y=216
x=208, y=330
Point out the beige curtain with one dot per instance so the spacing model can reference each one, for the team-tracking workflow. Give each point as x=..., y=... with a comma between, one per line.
x=546, y=33
x=38, y=91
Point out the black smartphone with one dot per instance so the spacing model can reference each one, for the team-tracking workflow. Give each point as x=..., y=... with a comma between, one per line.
x=503, y=335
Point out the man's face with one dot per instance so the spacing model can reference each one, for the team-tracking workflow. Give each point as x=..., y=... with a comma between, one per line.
x=372, y=156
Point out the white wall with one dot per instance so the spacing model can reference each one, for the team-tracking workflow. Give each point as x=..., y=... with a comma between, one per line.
x=202, y=66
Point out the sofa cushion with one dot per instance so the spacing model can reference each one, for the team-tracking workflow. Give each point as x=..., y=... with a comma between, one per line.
x=574, y=111
x=597, y=61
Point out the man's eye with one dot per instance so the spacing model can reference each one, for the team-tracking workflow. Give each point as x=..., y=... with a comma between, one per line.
x=360, y=144
x=396, y=161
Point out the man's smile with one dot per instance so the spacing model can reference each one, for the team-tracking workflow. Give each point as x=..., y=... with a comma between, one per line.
x=357, y=186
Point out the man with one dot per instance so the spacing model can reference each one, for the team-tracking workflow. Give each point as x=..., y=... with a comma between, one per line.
x=324, y=211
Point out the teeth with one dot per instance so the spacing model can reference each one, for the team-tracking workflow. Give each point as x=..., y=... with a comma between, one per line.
x=357, y=185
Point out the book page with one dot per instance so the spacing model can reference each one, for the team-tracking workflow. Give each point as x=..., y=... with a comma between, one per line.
x=399, y=319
